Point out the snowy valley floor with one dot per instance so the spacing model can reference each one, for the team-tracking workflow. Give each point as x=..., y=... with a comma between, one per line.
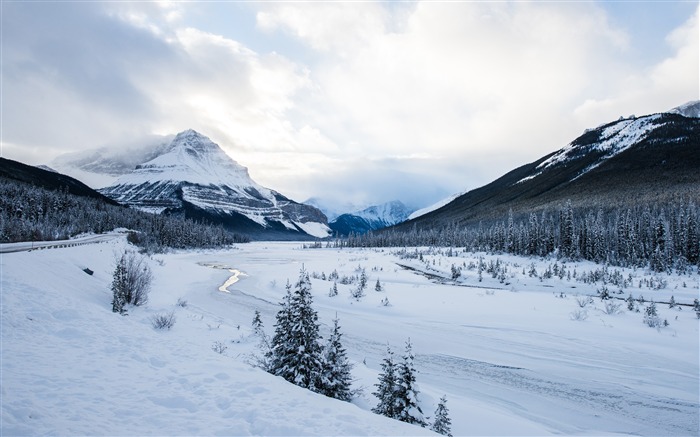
x=507, y=353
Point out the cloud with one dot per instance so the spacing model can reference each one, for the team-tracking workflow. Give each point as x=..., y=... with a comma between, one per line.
x=668, y=83
x=481, y=87
x=391, y=100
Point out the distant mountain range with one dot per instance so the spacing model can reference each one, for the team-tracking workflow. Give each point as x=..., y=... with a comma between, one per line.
x=653, y=158
x=370, y=219
x=194, y=176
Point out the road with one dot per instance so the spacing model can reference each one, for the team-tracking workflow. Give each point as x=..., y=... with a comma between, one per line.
x=25, y=246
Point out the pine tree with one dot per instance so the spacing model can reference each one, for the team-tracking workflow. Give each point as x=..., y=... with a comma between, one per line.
x=386, y=387
x=442, y=424
x=651, y=317
x=119, y=287
x=304, y=364
x=407, y=409
x=257, y=324
x=672, y=302
x=335, y=377
x=281, y=347
x=334, y=290
x=378, y=286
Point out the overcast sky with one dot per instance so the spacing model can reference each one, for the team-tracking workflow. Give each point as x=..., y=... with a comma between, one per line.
x=363, y=101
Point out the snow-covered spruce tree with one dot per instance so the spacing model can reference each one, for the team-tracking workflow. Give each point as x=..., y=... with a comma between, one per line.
x=442, y=423
x=651, y=317
x=257, y=324
x=280, y=349
x=378, y=286
x=407, y=409
x=335, y=378
x=334, y=290
x=386, y=387
x=297, y=354
x=119, y=288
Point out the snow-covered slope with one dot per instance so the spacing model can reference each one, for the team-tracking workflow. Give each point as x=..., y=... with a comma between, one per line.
x=195, y=172
x=511, y=358
x=72, y=367
x=690, y=109
x=612, y=139
x=434, y=206
x=374, y=217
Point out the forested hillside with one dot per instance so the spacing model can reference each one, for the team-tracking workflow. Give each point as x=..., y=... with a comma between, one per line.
x=31, y=213
x=663, y=237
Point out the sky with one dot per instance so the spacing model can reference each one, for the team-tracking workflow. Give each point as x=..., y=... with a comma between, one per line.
x=359, y=102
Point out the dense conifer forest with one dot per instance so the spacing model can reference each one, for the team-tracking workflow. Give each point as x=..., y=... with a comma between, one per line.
x=30, y=213
x=663, y=237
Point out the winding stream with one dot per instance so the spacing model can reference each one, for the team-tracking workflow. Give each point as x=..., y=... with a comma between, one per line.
x=231, y=280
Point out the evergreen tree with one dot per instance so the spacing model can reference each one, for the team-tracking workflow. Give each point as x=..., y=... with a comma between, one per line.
x=304, y=364
x=378, y=286
x=257, y=324
x=386, y=387
x=334, y=290
x=119, y=287
x=566, y=232
x=281, y=347
x=407, y=409
x=335, y=377
x=651, y=318
x=442, y=424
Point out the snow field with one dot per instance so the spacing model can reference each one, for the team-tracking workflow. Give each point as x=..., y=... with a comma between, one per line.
x=509, y=357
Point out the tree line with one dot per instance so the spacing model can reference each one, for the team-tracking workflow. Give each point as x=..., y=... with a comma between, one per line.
x=29, y=213
x=662, y=237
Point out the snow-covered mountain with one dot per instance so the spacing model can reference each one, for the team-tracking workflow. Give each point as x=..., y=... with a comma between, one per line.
x=195, y=176
x=434, y=206
x=372, y=218
x=652, y=158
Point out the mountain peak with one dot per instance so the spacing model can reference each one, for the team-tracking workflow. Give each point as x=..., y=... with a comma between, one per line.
x=196, y=176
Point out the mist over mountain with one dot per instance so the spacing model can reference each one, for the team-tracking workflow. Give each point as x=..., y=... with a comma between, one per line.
x=100, y=167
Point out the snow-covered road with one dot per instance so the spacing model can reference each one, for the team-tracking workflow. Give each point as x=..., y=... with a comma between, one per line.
x=78, y=241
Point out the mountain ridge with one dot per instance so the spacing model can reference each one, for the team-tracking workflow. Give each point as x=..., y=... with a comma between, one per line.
x=653, y=157
x=371, y=218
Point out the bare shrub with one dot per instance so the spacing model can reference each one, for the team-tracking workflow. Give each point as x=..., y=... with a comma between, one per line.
x=163, y=321
x=583, y=301
x=579, y=315
x=611, y=307
x=181, y=302
x=137, y=278
x=219, y=347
